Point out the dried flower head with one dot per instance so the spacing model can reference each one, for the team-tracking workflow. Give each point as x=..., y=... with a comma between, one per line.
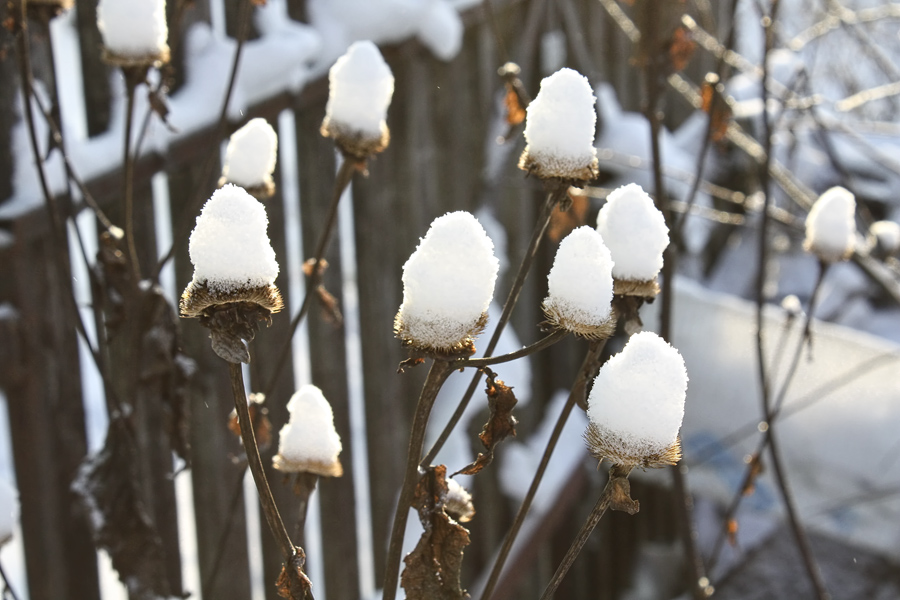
x=250, y=158
x=448, y=283
x=360, y=86
x=134, y=32
x=559, y=129
x=233, y=287
x=581, y=286
x=309, y=443
x=637, y=404
x=635, y=232
x=831, y=226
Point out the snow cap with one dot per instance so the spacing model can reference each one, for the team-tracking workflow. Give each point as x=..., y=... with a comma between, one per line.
x=9, y=511
x=458, y=502
x=448, y=283
x=831, y=226
x=134, y=31
x=637, y=404
x=636, y=234
x=360, y=86
x=308, y=442
x=885, y=237
x=250, y=157
x=581, y=285
x=559, y=129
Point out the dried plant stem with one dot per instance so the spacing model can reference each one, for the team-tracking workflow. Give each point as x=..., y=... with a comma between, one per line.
x=248, y=438
x=342, y=180
x=615, y=495
x=437, y=375
x=133, y=77
x=553, y=198
x=544, y=342
x=304, y=486
x=578, y=391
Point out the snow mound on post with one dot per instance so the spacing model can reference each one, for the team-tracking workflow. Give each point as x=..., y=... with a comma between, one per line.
x=133, y=27
x=635, y=233
x=831, y=225
x=448, y=283
x=229, y=247
x=637, y=403
x=580, y=281
x=251, y=154
x=559, y=127
x=360, y=87
x=309, y=441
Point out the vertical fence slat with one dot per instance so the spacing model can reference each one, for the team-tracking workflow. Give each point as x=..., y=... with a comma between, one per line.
x=8, y=93
x=328, y=359
x=94, y=72
x=217, y=481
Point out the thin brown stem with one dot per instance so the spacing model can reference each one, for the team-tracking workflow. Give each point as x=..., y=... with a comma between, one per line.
x=133, y=77
x=304, y=486
x=615, y=495
x=437, y=375
x=578, y=391
x=553, y=198
x=344, y=176
x=544, y=342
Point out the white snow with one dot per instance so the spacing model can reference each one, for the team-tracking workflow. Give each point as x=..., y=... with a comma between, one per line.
x=448, y=282
x=831, y=225
x=9, y=511
x=580, y=281
x=887, y=235
x=638, y=395
x=229, y=247
x=251, y=154
x=635, y=233
x=560, y=123
x=309, y=436
x=360, y=86
x=133, y=27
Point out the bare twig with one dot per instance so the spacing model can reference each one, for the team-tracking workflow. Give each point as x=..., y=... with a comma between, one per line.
x=480, y=363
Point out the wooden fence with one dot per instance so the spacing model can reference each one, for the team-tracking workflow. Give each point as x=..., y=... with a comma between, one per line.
x=438, y=119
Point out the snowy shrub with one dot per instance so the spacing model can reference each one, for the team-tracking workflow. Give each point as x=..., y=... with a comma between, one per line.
x=559, y=129
x=250, y=158
x=134, y=31
x=831, y=226
x=637, y=404
x=581, y=285
x=360, y=86
x=448, y=283
x=636, y=234
x=308, y=443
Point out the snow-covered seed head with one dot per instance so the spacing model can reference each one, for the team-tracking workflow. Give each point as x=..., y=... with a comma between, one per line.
x=134, y=32
x=885, y=238
x=559, y=129
x=360, y=86
x=637, y=404
x=234, y=271
x=581, y=286
x=250, y=158
x=308, y=443
x=636, y=234
x=448, y=283
x=831, y=226
x=458, y=502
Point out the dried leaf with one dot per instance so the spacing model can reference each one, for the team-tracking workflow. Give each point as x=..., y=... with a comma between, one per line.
x=681, y=48
x=156, y=97
x=731, y=530
x=562, y=222
x=259, y=416
x=331, y=310
x=500, y=425
x=515, y=112
x=293, y=583
x=433, y=568
x=716, y=105
x=309, y=263
x=756, y=469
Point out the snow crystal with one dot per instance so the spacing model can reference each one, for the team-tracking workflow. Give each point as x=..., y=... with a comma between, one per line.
x=448, y=283
x=229, y=246
x=580, y=281
x=9, y=511
x=251, y=154
x=559, y=127
x=635, y=233
x=637, y=401
x=133, y=27
x=458, y=502
x=309, y=438
x=360, y=88
x=887, y=235
x=831, y=226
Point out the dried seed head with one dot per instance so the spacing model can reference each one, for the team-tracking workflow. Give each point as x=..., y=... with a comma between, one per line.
x=134, y=32
x=309, y=443
x=250, y=159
